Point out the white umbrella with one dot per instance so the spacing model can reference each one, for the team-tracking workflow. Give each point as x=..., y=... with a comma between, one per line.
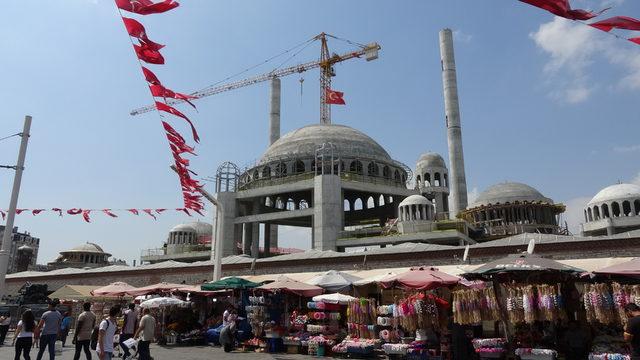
x=335, y=298
x=375, y=279
x=333, y=280
x=162, y=302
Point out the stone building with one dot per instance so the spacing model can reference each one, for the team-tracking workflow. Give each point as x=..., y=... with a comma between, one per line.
x=24, y=250
x=87, y=255
x=615, y=209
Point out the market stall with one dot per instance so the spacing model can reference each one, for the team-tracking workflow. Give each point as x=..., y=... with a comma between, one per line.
x=532, y=297
x=161, y=307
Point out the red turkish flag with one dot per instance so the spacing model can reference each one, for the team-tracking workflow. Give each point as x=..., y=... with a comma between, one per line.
x=108, y=212
x=146, y=7
x=168, y=109
x=85, y=215
x=57, y=210
x=150, y=76
x=563, y=9
x=148, y=54
x=148, y=211
x=617, y=22
x=160, y=211
x=136, y=30
x=184, y=210
x=161, y=91
x=20, y=211
x=4, y=214
x=36, y=211
x=133, y=211
x=635, y=40
x=334, y=97
x=74, y=211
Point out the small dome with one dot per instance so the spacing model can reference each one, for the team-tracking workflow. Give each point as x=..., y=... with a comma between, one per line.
x=431, y=159
x=198, y=227
x=25, y=248
x=88, y=248
x=617, y=192
x=415, y=200
x=509, y=192
x=303, y=142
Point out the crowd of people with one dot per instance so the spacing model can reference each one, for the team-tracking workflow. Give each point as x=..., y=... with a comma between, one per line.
x=90, y=333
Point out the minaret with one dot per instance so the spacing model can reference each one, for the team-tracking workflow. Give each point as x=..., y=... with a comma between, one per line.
x=454, y=129
x=271, y=231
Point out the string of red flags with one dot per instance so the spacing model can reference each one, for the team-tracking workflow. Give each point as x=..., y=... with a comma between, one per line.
x=334, y=97
x=563, y=9
x=148, y=51
x=87, y=213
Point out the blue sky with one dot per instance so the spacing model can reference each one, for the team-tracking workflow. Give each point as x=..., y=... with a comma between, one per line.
x=544, y=101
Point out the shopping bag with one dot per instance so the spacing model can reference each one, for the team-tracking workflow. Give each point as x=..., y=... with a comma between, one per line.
x=130, y=343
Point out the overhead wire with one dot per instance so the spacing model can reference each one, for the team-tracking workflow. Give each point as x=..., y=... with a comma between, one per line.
x=10, y=136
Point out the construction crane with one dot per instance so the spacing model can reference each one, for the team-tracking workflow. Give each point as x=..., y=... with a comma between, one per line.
x=326, y=62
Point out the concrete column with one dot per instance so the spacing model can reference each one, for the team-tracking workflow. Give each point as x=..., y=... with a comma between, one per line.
x=255, y=243
x=225, y=222
x=328, y=213
x=454, y=129
x=274, y=112
x=247, y=240
x=267, y=240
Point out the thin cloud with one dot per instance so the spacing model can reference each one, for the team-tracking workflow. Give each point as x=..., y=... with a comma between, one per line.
x=627, y=149
x=573, y=48
x=461, y=36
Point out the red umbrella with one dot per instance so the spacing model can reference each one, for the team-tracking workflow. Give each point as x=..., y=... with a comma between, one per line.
x=629, y=268
x=422, y=278
x=289, y=285
x=114, y=289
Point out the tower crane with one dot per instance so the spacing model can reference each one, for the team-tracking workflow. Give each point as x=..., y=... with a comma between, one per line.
x=325, y=63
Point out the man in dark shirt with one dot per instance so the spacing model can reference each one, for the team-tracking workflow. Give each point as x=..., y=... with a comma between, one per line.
x=632, y=330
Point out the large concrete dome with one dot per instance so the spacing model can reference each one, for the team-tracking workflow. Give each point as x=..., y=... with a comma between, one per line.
x=509, y=192
x=88, y=248
x=303, y=142
x=198, y=227
x=616, y=192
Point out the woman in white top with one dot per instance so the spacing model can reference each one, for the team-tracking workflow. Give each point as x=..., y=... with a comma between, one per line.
x=23, y=338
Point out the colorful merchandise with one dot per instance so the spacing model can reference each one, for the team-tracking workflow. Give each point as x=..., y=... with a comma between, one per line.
x=471, y=306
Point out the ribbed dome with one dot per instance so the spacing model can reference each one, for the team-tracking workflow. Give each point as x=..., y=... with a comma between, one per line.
x=198, y=227
x=303, y=142
x=617, y=192
x=509, y=192
x=431, y=159
x=88, y=247
x=415, y=200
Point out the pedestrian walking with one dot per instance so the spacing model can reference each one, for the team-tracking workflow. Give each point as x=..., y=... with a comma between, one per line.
x=108, y=328
x=128, y=329
x=632, y=330
x=23, y=337
x=48, y=328
x=82, y=334
x=5, y=321
x=145, y=332
x=65, y=326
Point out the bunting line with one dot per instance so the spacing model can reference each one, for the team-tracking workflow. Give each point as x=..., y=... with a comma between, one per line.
x=87, y=213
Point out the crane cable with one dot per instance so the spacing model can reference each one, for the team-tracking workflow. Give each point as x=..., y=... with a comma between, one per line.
x=304, y=43
x=10, y=136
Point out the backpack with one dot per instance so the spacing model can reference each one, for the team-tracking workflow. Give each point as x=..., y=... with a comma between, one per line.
x=94, y=335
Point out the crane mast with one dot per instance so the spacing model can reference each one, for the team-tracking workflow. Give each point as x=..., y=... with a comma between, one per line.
x=326, y=62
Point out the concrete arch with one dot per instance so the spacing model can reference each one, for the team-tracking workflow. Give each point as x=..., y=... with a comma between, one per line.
x=381, y=201
x=298, y=167
x=615, y=209
x=356, y=167
x=396, y=176
x=386, y=172
x=279, y=204
x=626, y=208
x=303, y=204
x=436, y=179
x=636, y=204
x=266, y=172
x=370, y=203
x=291, y=204
x=281, y=169
x=372, y=169
x=346, y=205
x=605, y=211
x=445, y=180
x=357, y=204
x=427, y=179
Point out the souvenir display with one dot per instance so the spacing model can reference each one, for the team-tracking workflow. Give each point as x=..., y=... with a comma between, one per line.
x=530, y=303
x=489, y=348
x=604, y=303
x=536, y=354
x=471, y=306
x=361, y=318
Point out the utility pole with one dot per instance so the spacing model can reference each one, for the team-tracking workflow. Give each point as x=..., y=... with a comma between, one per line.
x=8, y=229
x=216, y=248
